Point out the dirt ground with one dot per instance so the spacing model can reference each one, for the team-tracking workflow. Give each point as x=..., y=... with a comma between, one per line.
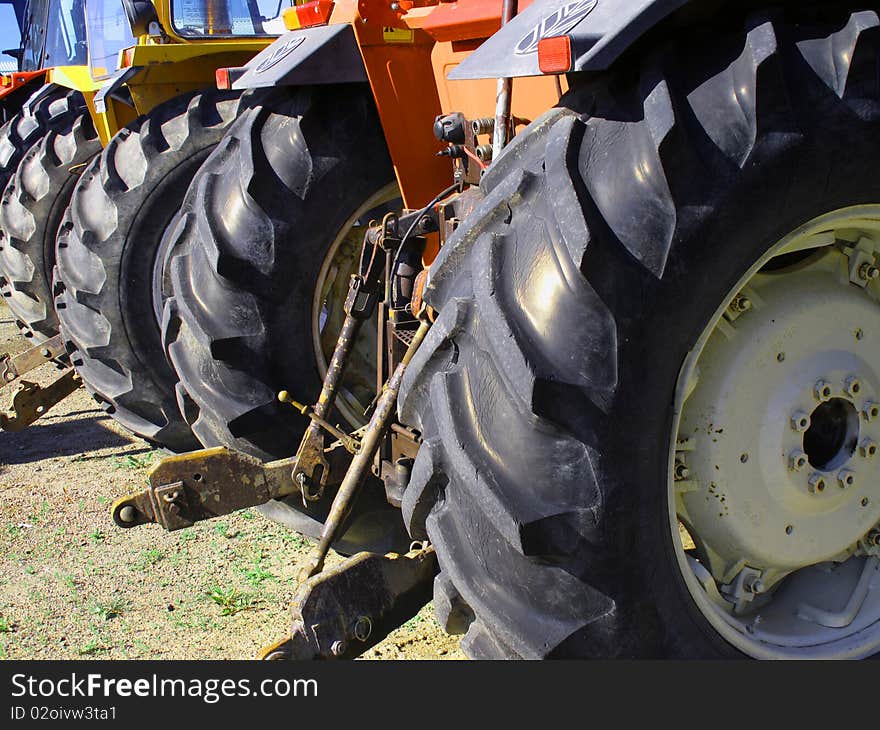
x=74, y=586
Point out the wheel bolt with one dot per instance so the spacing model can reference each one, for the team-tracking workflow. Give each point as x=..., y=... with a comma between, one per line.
x=756, y=586
x=800, y=421
x=868, y=271
x=846, y=478
x=797, y=460
x=868, y=449
x=870, y=411
x=822, y=390
x=853, y=386
x=741, y=303
x=817, y=483
x=681, y=471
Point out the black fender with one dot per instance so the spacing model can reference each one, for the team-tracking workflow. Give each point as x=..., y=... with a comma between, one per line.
x=327, y=54
x=600, y=31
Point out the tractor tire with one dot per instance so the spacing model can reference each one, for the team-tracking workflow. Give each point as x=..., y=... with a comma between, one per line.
x=611, y=232
x=27, y=125
x=258, y=222
x=109, y=281
x=31, y=210
x=258, y=227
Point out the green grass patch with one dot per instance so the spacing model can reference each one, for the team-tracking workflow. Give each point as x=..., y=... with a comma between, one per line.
x=148, y=558
x=230, y=600
x=108, y=611
x=130, y=462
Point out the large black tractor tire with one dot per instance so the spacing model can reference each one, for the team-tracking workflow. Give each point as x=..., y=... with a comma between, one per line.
x=257, y=224
x=109, y=286
x=31, y=210
x=610, y=233
x=27, y=125
x=258, y=221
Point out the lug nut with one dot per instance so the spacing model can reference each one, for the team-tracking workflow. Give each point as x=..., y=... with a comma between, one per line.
x=853, y=386
x=338, y=647
x=797, y=460
x=681, y=471
x=822, y=390
x=870, y=411
x=868, y=449
x=756, y=586
x=741, y=303
x=868, y=271
x=817, y=483
x=800, y=421
x=846, y=478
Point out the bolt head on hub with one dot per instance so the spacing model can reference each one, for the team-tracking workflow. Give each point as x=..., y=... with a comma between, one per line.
x=798, y=460
x=822, y=391
x=853, y=386
x=846, y=478
x=800, y=421
x=817, y=483
x=870, y=411
x=868, y=449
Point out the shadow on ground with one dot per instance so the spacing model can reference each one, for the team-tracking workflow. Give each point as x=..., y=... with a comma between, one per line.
x=46, y=439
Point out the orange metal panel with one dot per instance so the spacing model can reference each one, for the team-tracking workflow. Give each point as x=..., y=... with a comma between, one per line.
x=463, y=20
x=531, y=96
x=12, y=82
x=402, y=79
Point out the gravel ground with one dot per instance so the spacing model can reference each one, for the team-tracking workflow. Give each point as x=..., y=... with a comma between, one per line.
x=73, y=586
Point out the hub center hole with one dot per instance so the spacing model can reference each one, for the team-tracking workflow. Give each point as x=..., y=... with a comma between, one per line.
x=833, y=434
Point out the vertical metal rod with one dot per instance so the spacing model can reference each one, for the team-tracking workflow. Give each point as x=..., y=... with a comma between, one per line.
x=347, y=335
x=360, y=464
x=503, y=92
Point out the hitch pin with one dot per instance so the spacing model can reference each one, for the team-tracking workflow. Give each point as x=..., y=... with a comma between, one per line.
x=352, y=446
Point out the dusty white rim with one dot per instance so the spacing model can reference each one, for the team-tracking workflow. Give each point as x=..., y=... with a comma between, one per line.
x=770, y=467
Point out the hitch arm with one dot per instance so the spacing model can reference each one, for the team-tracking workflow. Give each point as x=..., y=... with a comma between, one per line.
x=31, y=401
x=203, y=484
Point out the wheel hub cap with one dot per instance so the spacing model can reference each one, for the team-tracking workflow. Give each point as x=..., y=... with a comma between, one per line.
x=775, y=471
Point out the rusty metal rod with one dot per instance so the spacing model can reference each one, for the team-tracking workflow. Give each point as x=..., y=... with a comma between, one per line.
x=350, y=444
x=503, y=92
x=344, y=345
x=360, y=464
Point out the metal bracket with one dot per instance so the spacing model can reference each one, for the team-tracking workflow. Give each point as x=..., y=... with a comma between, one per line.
x=13, y=367
x=203, y=484
x=31, y=401
x=343, y=611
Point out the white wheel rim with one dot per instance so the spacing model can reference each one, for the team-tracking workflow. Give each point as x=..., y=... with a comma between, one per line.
x=778, y=483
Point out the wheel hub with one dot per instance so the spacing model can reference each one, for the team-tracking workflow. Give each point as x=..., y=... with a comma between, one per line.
x=777, y=418
x=775, y=471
